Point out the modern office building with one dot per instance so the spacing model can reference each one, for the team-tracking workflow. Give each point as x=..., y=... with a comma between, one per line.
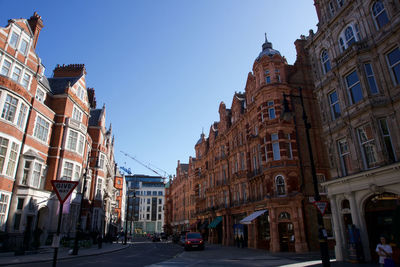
x=146, y=205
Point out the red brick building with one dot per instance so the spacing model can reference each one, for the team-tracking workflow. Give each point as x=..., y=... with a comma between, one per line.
x=251, y=177
x=48, y=131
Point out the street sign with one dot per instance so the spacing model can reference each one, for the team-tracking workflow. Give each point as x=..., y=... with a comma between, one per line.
x=321, y=206
x=63, y=188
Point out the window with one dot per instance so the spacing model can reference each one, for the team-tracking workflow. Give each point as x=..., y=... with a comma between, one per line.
x=12, y=159
x=67, y=172
x=271, y=110
x=77, y=174
x=280, y=185
x=81, y=144
x=23, y=47
x=340, y=3
x=3, y=210
x=16, y=74
x=159, y=216
x=331, y=8
x=387, y=139
x=77, y=114
x=14, y=39
x=3, y=152
x=159, y=201
x=344, y=155
x=41, y=129
x=80, y=92
x=379, y=14
x=25, y=175
x=40, y=95
x=349, y=36
x=22, y=115
x=394, y=64
x=268, y=79
x=17, y=221
x=373, y=88
x=265, y=149
x=367, y=143
x=99, y=188
x=275, y=147
x=321, y=179
x=354, y=87
x=5, y=69
x=101, y=161
x=25, y=80
x=148, y=201
x=326, y=63
x=10, y=107
x=72, y=140
x=36, y=175
x=148, y=208
x=334, y=104
x=289, y=147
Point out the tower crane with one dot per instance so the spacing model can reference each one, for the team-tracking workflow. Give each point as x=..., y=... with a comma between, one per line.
x=148, y=167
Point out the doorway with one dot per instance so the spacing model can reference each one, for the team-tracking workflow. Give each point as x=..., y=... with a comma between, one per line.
x=286, y=234
x=382, y=216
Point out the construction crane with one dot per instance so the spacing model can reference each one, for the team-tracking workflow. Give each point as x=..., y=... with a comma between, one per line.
x=148, y=166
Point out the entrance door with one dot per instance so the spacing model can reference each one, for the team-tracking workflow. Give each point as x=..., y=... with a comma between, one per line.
x=285, y=234
x=382, y=216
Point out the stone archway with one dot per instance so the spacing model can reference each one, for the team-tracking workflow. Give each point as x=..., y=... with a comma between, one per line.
x=382, y=217
x=286, y=232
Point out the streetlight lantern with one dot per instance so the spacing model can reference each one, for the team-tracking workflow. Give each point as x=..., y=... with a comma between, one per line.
x=286, y=115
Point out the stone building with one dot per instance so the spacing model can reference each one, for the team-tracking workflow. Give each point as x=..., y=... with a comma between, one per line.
x=355, y=55
x=252, y=179
x=44, y=135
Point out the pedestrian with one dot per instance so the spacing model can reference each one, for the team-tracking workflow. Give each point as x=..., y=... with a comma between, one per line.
x=385, y=253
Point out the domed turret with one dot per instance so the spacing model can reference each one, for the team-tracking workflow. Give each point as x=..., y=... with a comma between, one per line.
x=267, y=50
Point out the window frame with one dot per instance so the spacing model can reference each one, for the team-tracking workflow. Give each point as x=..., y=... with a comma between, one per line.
x=352, y=86
x=11, y=40
x=4, y=207
x=367, y=147
x=43, y=135
x=10, y=108
x=4, y=67
x=395, y=78
x=280, y=186
x=375, y=17
x=325, y=61
x=343, y=155
x=332, y=105
x=275, y=147
x=371, y=78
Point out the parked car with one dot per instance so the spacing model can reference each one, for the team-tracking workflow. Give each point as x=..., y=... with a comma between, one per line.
x=194, y=240
x=182, y=240
x=155, y=238
x=164, y=236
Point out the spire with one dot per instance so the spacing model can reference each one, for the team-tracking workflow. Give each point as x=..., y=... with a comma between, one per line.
x=266, y=44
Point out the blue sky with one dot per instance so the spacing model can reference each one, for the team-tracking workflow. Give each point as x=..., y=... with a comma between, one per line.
x=162, y=67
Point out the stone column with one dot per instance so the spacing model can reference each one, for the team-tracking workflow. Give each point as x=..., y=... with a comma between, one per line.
x=274, y=246
x=353, y=209
x=336, y=216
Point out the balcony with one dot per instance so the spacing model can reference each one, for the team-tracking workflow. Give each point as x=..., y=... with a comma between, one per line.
x=75, y=125
x=351, y=51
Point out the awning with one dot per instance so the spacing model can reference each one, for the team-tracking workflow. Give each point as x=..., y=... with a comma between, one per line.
x=215, y=222
x=252, y=216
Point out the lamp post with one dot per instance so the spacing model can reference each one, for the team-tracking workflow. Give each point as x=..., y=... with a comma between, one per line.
x=126, y=214
x=78, y=224
x=321, y=229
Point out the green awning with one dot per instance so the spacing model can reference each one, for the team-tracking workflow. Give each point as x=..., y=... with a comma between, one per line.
x=215, y=222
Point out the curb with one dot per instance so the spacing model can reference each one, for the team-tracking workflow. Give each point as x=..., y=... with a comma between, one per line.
x=64, y=257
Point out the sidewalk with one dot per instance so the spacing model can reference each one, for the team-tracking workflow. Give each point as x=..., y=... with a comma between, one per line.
x=45, y=254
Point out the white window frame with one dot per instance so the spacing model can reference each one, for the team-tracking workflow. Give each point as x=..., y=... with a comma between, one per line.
x=36, y=173
x=396, y=80
x=5, y=198
x=10, y=41
x=12, y=159
x=42, y=129
x=8, y=68
x=343, y=154
x=73, y=137
x=344, y=41
x=22, y=115
x=367, y=146
x=10, y=108
x=26, y=80
x=16, y=75
x=77, y=114
x=4, y=143
x=99, y=188
x=26, y=48
x=279, y=186
x=40, y=95
x=68, y=170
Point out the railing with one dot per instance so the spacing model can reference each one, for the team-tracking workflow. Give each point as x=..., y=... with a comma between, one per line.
x=75, y=124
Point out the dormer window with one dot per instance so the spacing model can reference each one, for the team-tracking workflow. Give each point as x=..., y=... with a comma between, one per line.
x=23, y=47
x=379, y=13
x=349, y=36
x=80, y=92
x=14, y=39
x=40, y=95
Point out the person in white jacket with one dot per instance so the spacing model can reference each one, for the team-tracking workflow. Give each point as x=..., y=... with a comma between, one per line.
x=384, y=251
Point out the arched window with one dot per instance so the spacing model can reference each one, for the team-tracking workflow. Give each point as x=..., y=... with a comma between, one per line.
x=284, y=216
x=379, y=13
x=349, y=36
x=280, y=185
x=326, y=63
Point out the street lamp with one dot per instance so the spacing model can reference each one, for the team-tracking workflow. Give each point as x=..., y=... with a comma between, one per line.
x=126, y=214
x=78, y=224
x=287, y=114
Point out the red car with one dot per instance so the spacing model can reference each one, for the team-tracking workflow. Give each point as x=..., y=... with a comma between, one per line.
x=194, y=240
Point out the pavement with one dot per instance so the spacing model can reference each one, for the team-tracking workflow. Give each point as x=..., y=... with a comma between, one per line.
x=242, y=256
x=46, y=254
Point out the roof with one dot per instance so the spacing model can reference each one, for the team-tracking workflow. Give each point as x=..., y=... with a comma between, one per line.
x=95, y=115
x=267, y=50
x=58, y=85
x=45, y=82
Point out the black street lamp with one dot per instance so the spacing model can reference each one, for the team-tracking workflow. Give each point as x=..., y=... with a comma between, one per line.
x=286, y=114
x=78, y=224
x=126, y=214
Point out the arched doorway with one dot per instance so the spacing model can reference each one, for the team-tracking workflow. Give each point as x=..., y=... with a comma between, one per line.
x=286, y=232
x=382, y=216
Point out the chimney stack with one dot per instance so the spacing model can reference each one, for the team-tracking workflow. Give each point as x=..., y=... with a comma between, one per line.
x=36, y=24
